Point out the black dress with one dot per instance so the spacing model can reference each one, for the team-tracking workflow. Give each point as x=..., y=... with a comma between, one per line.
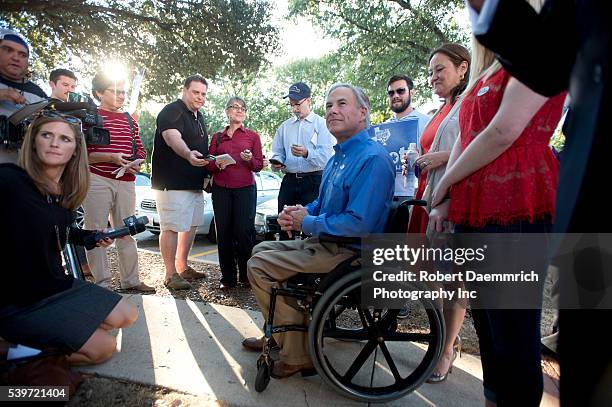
x=40, y=304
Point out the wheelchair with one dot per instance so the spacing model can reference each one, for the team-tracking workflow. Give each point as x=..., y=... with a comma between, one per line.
x=363, y=353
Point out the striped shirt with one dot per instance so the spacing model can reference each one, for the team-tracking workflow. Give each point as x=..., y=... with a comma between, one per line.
x=120, y=142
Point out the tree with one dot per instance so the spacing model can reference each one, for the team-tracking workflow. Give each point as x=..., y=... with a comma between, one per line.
x=146, y=128
x=383, y=37
x=263, y=92
x=170, y=39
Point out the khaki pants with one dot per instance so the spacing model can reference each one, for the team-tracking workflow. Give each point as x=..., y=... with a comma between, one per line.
x=118, y=198
x=273, y=263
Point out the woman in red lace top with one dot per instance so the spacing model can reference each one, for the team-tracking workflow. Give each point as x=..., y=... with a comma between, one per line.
x=502, y=177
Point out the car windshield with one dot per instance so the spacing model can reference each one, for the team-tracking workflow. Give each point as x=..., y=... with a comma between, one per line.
x=142, y=181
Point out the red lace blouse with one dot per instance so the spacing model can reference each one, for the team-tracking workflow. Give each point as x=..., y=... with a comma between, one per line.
x=521, y=183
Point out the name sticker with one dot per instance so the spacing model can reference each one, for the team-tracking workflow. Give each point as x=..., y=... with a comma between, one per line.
x=482, y=91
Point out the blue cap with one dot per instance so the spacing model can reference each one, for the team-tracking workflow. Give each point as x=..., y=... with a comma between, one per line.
x=10, y=35
x=298, y=91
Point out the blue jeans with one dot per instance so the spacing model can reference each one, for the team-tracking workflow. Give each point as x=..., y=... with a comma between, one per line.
x=509, y=339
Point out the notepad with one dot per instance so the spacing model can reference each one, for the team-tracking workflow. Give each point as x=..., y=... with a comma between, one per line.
x=225, y=159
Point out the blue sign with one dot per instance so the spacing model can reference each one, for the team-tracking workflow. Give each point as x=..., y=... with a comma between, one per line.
x=396, y=138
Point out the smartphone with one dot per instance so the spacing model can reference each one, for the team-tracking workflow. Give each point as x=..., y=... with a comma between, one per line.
x=276, y=162
x=210, y=157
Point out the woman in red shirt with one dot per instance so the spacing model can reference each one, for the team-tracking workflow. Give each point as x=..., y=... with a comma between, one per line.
x=503, y=177
x=234, y=192
x=448, y=75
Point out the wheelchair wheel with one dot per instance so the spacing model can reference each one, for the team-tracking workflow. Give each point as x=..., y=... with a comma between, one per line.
x=263, y=375
x=363, y=353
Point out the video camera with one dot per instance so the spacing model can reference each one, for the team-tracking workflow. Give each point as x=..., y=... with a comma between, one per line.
x=133, y=225
x=14, y=127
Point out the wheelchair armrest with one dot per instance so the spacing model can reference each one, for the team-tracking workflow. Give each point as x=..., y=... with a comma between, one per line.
x=413, y=202
x=326, y=237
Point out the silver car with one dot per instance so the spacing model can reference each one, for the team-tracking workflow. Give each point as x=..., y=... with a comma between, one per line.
x=268, y=185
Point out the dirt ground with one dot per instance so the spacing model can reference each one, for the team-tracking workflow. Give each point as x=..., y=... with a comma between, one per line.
x=98, y=391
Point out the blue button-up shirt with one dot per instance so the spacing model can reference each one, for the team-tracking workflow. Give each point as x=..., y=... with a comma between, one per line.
x=312, y=133
x=356, y=190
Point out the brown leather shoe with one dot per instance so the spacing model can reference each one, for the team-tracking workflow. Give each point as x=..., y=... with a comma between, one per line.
x=191, y=274
x=281, y=370
x=257, y=344
x=176, y=282
x=142, y=287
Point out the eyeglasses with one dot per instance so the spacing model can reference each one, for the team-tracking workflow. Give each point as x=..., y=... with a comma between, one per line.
x=298, y=104
x=117, y=92
x=399, y=91
x=238, y=108
x=56, y=115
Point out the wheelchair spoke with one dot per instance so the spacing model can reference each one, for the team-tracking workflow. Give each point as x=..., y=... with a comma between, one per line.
x=390, y=362
x=360, y=360
x=366, y=322
x=389, y=318
x=339, y=310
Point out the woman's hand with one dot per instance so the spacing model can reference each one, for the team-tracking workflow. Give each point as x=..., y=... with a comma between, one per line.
x=105, y=242
x=119, y=159
x=440, y=193
x=246, y=155
x=220, y=165
x=431, y=161
x=438, y=216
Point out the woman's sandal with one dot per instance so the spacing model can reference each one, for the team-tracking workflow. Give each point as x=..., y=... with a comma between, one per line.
x=437, y=377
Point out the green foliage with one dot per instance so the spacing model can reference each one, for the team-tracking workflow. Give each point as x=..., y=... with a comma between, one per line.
x=558, y=140
x=264, y=91
x=146, y=127
x=169, y=39
x=381, y=38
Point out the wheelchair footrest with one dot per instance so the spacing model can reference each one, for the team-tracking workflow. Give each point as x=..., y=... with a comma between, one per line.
x=288, y=328
x=295, y=293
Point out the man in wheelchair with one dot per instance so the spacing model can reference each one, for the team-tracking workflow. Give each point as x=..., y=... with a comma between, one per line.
x=354, y=200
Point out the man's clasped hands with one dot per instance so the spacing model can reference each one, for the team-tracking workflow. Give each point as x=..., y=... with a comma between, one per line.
x=291, y=218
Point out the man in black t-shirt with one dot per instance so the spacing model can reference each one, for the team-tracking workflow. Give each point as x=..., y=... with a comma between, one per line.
x=179, y=151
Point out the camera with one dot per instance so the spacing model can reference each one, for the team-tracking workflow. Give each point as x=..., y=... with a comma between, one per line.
x=14, y=127
x=133, y=226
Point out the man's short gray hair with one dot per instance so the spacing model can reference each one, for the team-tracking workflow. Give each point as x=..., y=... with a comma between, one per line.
x=360, y=96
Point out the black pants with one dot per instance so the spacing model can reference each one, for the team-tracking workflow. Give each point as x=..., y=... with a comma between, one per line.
x=235, y=221
x=295, y=191
x=509, y=339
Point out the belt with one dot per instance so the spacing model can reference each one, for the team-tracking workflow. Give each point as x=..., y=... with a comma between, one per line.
x=303, y=174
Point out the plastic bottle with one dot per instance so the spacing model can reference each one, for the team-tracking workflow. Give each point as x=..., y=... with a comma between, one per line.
x=410, y=180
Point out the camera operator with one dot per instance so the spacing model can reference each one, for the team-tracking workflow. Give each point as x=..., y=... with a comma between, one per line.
x=40, y=304
x=62, y=82
x=110, y=192
x=16, y=90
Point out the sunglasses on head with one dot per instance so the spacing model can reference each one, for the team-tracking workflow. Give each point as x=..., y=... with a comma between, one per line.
x=56, y=115
x=399, y=91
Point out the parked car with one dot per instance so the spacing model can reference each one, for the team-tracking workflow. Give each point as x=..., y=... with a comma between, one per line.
x=268, y=185
x=143, y=183
x=266, y=225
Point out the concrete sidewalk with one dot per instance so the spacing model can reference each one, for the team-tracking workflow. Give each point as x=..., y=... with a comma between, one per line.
x=196, y=348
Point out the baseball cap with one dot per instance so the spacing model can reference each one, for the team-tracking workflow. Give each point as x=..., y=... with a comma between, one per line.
x=298, y=91
x=10, y=35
